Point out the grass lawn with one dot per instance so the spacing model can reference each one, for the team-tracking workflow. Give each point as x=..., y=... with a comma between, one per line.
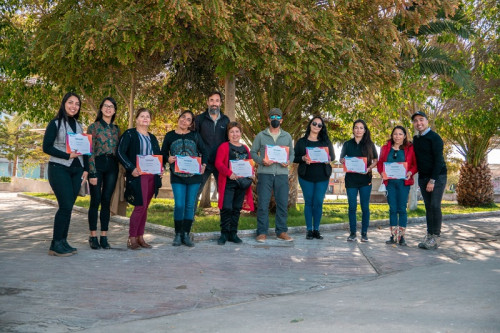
x=161, y=211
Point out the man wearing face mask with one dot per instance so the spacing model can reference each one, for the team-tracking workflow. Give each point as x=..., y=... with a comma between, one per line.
x=212, y=127
x=272, y=177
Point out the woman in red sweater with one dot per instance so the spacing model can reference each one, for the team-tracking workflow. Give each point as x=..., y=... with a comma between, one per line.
x=235, y=190
x=398, y=151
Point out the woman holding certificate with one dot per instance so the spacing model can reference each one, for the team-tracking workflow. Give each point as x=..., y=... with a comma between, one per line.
x=359, y=157
x=185, y=152
x=235, y=168
x=136, y=145
x=103, y=170
x=314, y=152
x=397, y=165
x=68, y=168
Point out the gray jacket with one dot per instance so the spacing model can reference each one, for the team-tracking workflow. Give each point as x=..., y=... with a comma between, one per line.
x=259, y=149
x=60, y=143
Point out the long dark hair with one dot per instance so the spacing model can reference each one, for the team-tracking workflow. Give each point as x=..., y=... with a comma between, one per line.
x=323, y=133
x=99, y=113
x=191, y=127
x=366, y=141
x=405, y=141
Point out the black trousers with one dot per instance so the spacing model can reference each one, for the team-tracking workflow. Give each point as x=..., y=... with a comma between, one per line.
x=100, y=194
x=65, y=182
x=231, y=207
x=432, y=201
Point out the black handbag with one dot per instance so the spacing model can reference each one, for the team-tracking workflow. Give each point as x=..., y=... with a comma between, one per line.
x=244, y=182
x=133, y=191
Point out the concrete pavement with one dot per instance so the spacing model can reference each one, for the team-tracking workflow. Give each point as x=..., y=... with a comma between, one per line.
x=308, y=285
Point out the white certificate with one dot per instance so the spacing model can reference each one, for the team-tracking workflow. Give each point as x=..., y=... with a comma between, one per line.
x=318, y=154
x=150, y=164
x=188, y=164
x=241, y=168
x=355, y=164
x=79, y=143
x=278, y=154
x=394, y=170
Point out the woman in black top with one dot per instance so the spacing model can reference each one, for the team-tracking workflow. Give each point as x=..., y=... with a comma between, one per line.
x=359, y=146
x=67, y=171
x=139, y=187
x=314, y=176
x=103, y=170
x=183, y=141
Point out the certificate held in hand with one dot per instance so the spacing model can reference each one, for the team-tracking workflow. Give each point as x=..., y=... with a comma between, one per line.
x=277, y=154
x=394, y=170
x=241, y=168
x=150, y=164
x=355, y=164
x=188, y=164
x=79, y=143
x=318, y=154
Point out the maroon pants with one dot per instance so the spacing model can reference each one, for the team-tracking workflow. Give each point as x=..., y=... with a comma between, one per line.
x=140, y=213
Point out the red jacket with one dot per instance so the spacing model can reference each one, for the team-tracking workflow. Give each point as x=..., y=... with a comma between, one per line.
x=409, y=157
x=222, y=164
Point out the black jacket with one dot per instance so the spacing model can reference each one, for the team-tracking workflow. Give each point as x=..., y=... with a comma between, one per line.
x=128, y=149
x=213, y=135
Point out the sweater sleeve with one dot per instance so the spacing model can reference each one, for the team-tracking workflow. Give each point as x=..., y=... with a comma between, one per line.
x=299, y=151
x=290, y=148
x=437, y=152
x=165, y=149
x=343, y=152
x=255, y=150
x=91, y=160
x=332, y=151
x=48, y=142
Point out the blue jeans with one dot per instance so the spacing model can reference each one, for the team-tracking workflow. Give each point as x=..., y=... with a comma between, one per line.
x=184, y=200
x=364, y=201
x=314, y=194
x=266, y=185
x=432, y=201
x=397, y=197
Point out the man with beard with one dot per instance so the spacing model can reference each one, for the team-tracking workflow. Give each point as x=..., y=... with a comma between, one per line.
x=212, y=127
x=272, y=176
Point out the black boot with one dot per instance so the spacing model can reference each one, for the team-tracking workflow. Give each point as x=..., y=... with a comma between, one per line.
x=177, y=239
x=233, y=237
x=391, y=240
x=223, y=238
x=69, y=247
x=317, y=235
x=186, y=240
x=309, y=234
x=103, y=241
x=94, y=243
x=57, y=248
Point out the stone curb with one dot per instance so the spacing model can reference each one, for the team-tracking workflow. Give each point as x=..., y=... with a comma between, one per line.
x=170, y=232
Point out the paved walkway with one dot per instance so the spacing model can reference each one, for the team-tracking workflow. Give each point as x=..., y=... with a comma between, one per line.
x=308, y=285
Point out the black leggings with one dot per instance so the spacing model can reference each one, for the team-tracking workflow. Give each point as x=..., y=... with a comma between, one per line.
x=107, y=174
x=65, y=182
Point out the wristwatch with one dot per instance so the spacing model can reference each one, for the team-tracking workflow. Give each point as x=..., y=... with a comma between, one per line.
x=432, y=181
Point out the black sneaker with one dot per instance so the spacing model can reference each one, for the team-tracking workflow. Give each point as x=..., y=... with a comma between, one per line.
x=317, y=235
x=352, y=237
x=222, y=239
x=390, y=241
x=364, y=238
x=309, y=234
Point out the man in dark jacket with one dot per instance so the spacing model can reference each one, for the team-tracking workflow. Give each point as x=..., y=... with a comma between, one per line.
x=432, y=177
x=212, y=126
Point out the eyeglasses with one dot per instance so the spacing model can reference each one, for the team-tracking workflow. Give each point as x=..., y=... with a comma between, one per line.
x=108, y=106
x=275, y=117
x=318, y=125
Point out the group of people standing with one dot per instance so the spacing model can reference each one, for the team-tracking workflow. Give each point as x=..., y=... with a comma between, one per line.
x=215, y=142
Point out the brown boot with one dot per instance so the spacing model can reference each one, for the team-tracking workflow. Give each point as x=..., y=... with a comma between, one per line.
x=132, y=244
x=142, y=242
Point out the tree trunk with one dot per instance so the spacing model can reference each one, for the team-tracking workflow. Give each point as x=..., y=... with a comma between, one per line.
x=42, y=170
x=131, y=101
x=14, y=166
x=230, y=97
x=205, y=194
x=474, y=186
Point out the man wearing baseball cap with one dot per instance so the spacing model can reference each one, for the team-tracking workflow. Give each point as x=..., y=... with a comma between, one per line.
x=432, y=177
x=272, y=176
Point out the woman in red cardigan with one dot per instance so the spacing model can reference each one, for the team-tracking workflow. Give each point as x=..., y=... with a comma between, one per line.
x=397, y=150
x=235, y=191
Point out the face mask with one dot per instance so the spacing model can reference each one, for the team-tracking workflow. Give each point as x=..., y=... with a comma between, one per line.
x=275, y=123
x=214, y=111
